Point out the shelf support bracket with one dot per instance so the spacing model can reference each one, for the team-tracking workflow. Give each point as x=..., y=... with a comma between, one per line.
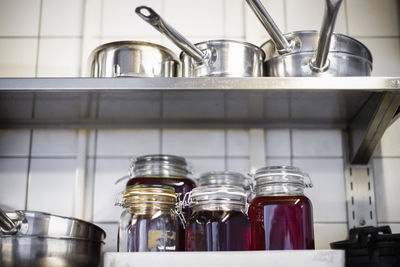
x=368, y=126
x=360, y=195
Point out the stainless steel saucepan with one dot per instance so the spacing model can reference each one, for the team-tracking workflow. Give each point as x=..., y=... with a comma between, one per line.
x=31, y=238
x=312, y=53
x=133, y=59
x=218, y=58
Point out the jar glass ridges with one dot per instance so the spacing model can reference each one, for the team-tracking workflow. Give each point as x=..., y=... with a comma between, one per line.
x=226, y=178
x=218, y=221
x=149, y=221
x=159, y=165
x=281, y=180
x=280, y=214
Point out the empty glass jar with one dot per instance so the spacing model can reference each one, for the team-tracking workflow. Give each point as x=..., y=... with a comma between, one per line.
x=149, y=221
x=219, y=221
x=281, y=216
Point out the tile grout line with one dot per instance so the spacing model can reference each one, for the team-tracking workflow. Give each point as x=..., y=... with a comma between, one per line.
x=38, y=38
x=28, y=174
x=347, y=17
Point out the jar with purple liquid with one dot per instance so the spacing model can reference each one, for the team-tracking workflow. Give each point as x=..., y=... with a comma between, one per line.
x=218, y=221
x=149, y=221
x=169, y=170
x=280, y=214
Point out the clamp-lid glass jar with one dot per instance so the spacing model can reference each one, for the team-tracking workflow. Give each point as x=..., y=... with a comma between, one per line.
x=227, y=178
x=281, y=216
x=219, y=221
x=149, y=221
x=160, y=169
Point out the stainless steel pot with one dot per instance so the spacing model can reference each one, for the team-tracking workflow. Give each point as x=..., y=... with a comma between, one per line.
x=312, y=53
x=133, y=59
x=218, y=58
x=31, y=238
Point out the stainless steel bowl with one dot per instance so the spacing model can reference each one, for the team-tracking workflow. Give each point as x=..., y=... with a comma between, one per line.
x=133, y=59
x=42, y=239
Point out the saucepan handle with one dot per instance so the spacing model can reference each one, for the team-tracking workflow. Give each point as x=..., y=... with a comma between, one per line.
x=319, y=62
x=150, y=16
x=282, y=44
x=7, y=226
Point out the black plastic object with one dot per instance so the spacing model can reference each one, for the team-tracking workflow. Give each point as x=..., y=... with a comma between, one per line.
x=371, y=247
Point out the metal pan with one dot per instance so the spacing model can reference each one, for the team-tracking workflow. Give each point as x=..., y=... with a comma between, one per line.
x=133, y=59
x=312, y=53
x=31, y=238
x=215, y=58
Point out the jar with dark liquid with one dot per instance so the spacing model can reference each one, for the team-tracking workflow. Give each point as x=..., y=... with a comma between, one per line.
x=149, y=221
x=166, y=170
x=219, y=221
x=281, y=216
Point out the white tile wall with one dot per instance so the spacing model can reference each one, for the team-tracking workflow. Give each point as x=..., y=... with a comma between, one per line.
x=308, y=14
x=328, y=192
x=385, y=53
x=316, y=143
x=120, y=19
x=108, y=171
x=62, y=18
x=66, y=51
x=14, y=142
x=386, y=174
x=237, y=143
x=13, y=194
x=326, y=233
x=18, y=57
x=362, y=12
x=196, y=142
x=254, y=30
x=111, y=230
x=54, y=143
x=238, y=165
x=51, y=186
x=390, y=142
x=196, y=19
x=19, y=17
x=128, y=143
x=277, y=143
x=319, y=152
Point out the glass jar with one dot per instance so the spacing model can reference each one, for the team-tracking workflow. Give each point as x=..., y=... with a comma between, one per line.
x=281, y=216
x=164, y=170
x=227, y=178
x=219, y=221
x=149, y=221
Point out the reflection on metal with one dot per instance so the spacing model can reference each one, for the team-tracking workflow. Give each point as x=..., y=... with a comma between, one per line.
x=360, y=196
x=368, y=127
x=365, y=106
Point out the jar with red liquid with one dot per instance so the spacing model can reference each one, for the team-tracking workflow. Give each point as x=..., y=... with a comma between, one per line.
x=149, y=221
x=280, y=214
x=166, y=170
x=219, y=221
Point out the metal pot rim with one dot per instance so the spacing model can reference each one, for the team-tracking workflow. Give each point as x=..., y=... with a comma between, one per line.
x=335, y=36
x=126, y=43
x=219, y=41
x=51, y=237
x=36, y=214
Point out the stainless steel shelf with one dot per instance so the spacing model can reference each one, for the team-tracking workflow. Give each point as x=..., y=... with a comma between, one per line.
x=364, y=106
